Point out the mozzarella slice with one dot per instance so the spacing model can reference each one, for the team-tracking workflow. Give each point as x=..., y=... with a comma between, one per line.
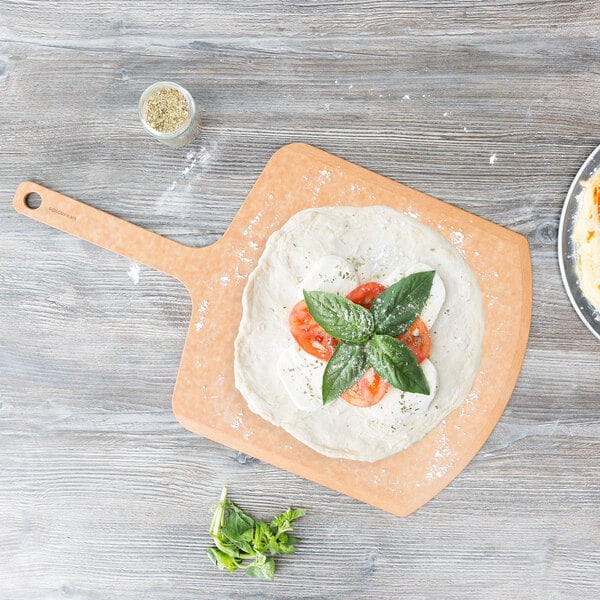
x=434, y=303
x=302, y=377
x=437, y=295
x=330, y=274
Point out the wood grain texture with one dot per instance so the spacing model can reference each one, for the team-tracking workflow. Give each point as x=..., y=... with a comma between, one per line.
x=102, y=494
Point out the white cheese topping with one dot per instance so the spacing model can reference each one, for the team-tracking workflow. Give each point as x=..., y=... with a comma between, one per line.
x=330, y=274
x=301, y=375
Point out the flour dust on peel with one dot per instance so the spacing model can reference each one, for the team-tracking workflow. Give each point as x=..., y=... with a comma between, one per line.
x=380, y=244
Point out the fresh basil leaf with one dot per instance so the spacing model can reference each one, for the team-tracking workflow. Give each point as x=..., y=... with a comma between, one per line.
x=340, y=317
x=294, y=513
x=274, y=546
x=393, y=361
x=395, y=309
x=269, y=569
x=243, y=547
x=283, y=522
x=290, y=545
x=226, y=546
x=346, y=366
x=222, y=560
x=263, y=535
x=286, y=548
x=281, y=528
x=264, y=570
x=238, y=525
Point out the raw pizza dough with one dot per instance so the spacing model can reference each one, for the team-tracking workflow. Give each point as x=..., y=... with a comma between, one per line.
x=379, y=242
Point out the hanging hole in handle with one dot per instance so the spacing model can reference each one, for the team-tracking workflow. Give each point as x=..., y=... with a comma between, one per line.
x=33, y=200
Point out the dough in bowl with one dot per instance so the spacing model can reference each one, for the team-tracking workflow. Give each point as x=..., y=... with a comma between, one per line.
x=360, y=244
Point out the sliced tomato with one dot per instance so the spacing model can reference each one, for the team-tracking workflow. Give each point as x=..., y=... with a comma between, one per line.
x=367, y=391
x=416, y=337
x=310, y=336
x=365, y=294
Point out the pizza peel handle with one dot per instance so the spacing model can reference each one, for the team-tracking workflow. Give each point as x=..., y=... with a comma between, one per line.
x=100, y=228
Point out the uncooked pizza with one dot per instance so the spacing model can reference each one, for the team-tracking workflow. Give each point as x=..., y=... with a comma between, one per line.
x=361, y=331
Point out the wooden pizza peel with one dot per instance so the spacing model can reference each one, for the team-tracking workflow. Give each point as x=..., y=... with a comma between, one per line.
x=205, y=399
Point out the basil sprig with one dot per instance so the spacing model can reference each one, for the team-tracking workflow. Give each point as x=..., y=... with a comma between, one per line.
x=368, y=337
x=243, y=543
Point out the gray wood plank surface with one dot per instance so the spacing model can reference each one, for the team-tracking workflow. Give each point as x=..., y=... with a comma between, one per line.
x=491, y=106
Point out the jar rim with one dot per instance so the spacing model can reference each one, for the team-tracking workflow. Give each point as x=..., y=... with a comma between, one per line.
x=144, y=99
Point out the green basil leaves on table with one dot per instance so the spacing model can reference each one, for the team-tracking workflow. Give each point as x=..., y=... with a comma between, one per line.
x=243, y=543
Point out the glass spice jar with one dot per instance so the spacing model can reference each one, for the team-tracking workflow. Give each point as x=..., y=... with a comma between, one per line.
x=168, y=113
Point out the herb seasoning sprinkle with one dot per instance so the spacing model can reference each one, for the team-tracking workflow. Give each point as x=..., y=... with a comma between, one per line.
x=167, y=110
